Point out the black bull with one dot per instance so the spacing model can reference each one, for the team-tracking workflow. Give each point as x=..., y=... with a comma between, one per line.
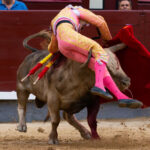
x=66, y=86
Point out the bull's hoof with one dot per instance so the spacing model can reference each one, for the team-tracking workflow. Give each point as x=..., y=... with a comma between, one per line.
x=130, y=103
x=22, y=128
x=95, y=137
x=53, y=142
x=86, y=135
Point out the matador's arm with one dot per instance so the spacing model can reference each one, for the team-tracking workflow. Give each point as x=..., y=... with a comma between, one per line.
x=97, y=21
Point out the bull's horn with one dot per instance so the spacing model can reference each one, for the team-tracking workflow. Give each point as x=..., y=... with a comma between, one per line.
x=117, y=47
x=88, y=59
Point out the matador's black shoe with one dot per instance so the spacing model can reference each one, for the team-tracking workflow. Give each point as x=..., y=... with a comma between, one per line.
x=130, y=103
x=105, y=94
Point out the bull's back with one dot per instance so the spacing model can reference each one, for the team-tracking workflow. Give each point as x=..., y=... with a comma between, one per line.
x=69, y=82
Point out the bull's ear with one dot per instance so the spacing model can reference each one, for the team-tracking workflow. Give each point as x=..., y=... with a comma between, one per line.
x=117, y=47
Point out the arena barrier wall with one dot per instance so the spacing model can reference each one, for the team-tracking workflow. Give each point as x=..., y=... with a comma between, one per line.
x=16, y=25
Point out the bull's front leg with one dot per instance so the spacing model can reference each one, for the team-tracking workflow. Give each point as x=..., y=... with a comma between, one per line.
x=74, y=122
x=53, y=107
x=22, y=100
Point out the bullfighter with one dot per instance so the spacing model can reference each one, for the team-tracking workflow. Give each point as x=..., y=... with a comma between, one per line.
x=67, y=39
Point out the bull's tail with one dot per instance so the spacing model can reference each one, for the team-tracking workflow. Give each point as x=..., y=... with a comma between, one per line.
x=43, y=33
x=47, y=35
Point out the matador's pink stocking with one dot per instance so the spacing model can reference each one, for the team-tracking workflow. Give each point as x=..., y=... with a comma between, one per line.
x=99, y=75
x=123, y=100
x=112, y=87
x=98, y=89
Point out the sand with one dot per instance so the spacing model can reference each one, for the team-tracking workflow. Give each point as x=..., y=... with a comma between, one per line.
x=118, y=134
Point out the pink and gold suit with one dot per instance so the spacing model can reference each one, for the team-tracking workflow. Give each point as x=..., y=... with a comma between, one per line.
x=72, y=44
x=75, y=46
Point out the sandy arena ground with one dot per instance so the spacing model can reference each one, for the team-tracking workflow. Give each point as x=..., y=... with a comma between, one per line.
x=127, y=134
